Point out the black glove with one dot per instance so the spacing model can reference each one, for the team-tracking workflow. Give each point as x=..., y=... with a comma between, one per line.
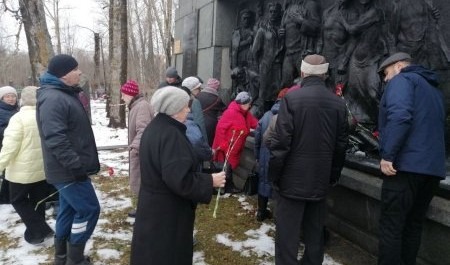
x=81, y=178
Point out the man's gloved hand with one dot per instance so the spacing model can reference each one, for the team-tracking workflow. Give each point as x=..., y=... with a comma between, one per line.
x=81, y=178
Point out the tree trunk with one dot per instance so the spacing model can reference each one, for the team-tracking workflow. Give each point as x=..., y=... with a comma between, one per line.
x=165, y=26
x=40, y=47
x=96, y=78
x=168, y=28
x=118, y=61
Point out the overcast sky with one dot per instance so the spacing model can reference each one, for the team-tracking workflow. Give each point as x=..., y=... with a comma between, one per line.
x=77, y=14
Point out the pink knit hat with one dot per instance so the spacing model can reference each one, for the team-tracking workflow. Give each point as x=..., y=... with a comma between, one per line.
x=213, y=83
x=130, y=88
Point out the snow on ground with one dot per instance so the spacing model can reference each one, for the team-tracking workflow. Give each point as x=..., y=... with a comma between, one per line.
x=258, y=241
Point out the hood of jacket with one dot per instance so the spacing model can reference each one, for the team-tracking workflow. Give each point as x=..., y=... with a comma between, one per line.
x=427, y=74
x=276, y=107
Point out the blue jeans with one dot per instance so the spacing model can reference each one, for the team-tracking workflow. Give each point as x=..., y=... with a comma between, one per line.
x=79, y=210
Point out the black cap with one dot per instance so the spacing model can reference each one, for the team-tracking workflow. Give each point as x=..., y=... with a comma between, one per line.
x=396, y=57
x=61, y=64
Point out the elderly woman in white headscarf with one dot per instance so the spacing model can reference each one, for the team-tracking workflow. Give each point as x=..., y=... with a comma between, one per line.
x=170, y=185
x=21, y=155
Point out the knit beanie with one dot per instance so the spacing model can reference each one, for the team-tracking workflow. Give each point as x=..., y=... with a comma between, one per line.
x=171, y=72
x=61, y=64
x=28, y=96
x=213, y=83
x=169, y=100
x=191, y=83
x=130, y=88
x=7, y=90
x=314, y=65
x=243, y=98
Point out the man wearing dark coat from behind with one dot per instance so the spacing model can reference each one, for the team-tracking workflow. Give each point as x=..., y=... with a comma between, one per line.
x=307, y=156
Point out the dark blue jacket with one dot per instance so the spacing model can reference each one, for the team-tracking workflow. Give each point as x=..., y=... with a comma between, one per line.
x=262, y=153
x=6, y=112
x=412, y=122
x=194, y=134
x=68, y=143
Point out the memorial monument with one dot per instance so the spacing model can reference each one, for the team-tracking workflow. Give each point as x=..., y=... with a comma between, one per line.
x=257, y=45
x=354, y=35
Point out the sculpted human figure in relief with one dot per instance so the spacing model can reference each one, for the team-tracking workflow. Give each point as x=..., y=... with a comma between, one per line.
x=268, y=54
x=242, y=40
x=301, y=25
x=414, y=29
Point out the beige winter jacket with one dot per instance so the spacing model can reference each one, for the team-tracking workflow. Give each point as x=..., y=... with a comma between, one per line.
x=21, y=154
x=140, y=115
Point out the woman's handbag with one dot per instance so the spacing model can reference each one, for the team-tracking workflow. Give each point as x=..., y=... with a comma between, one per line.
x=251, y=183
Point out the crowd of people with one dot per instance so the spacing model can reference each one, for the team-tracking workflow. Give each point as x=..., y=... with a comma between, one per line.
x=186, y=128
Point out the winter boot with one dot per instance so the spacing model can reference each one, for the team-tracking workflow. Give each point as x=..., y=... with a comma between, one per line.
x=229, y=184
x=60, y=251
x=263, y=213
x=75, y=255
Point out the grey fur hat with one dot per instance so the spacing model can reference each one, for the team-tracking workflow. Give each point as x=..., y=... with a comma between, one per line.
x=169, y=100
x=28, y=96
x=243, y=98
x=191, y=83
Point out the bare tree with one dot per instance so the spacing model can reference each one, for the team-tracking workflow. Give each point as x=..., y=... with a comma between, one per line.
x=118, y=46
x=40, y=49
x=52, y=12
x=163, y=10
x=143, y=60
x=39, y=43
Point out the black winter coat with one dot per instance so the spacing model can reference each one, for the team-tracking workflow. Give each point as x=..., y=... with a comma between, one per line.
x=170, y=190
x=308, y=150
x=6, y=112
x=68, y=143
x=177, y=83
x=213, y=107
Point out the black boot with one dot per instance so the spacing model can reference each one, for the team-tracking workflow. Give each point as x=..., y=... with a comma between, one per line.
x=75, y=255
x=229, y=185
x=263, y=213
x=60, y=251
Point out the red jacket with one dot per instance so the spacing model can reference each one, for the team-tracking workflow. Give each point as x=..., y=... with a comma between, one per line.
x=231, y=131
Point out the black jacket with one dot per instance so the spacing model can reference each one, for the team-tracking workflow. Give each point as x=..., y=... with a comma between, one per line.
x=177, y=83
x=170, y=190
x=213, y=107
x=6, y=112
x=68, y=143
x=308, y=151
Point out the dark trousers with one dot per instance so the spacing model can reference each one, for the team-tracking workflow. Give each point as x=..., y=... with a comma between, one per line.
x=4, y=190
x=24, y=198
x=294, y=216
x=404, y=202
